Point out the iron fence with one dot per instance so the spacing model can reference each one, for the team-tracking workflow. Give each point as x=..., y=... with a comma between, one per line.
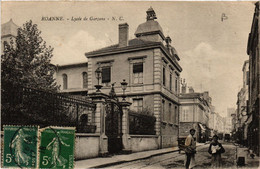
x=27, y=106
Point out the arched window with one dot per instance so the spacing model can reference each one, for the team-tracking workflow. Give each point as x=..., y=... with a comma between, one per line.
x=65, y=81
x=85, y=79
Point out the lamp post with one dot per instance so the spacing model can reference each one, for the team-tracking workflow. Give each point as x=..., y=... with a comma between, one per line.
x=98, y=76
x=124, y=85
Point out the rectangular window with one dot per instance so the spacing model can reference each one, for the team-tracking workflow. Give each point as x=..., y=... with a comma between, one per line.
x=85, y=79
x=164, y=76
x=163, y=110
x=138, y=104
x=184, y=115
x=247, y=78
x=138, y=73
x=65, y=81
x=175, y=116
x=170, y=112
x=176, y=84
x=106, y=74
x=170, y=81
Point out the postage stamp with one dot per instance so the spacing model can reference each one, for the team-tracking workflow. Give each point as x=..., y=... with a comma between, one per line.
x=20, y=146
x=57, y=147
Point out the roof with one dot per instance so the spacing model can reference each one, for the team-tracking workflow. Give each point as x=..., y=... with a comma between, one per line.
x=133, y=45
x=9, y=28
x=190, y=95
x=81, y=64
x=174, y=52
x=147, y=27
x=132, y=42
x=150, y=9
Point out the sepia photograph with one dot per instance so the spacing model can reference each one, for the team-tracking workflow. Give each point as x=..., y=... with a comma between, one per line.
x=130, y=84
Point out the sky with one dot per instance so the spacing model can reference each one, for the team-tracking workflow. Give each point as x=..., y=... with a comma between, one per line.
x=212, y=51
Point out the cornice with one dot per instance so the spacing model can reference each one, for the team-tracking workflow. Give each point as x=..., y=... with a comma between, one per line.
x=135, y=48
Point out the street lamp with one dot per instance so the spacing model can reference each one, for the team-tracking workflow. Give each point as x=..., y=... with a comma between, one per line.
x=124, y=85
x=98, y=76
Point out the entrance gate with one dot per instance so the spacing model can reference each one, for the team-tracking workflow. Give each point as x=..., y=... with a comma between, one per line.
x=113, y=123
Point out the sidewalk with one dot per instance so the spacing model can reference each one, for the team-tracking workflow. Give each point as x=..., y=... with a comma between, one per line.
x=250, y=162
x=118, y=159
x=253, y=163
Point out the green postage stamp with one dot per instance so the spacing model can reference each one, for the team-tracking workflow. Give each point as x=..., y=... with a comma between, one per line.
x=20, y=146
x=57, y=147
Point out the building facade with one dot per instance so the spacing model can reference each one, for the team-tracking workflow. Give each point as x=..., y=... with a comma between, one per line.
x=148, y=63
x=73, y=78
x=254, y=83
x=242, y=101
x=216, y=123
x=194, y=113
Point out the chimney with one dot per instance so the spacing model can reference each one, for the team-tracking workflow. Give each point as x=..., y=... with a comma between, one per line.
x=123, y=35
x=191, y=90
x=183, y=89
x=184, y=85
x=168, y=41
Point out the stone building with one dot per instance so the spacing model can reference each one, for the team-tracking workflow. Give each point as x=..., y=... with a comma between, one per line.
x=194, y=113
x=216, y=123
x=149, y=64
x=73, y=78
x=254, y=83
x=242, y=101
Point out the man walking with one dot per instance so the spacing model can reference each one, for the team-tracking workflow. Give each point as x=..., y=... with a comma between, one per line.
x=190, y=150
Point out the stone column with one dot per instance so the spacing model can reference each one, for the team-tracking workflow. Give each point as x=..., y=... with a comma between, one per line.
x=99, y=99
x=126, y=139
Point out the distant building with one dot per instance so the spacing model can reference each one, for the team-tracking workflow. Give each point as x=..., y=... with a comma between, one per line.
x=242, y=102
x=228, y=125
x=194, y=113
x=254, y=83
x=216, y=123
x=228, y=120
x=8, y=31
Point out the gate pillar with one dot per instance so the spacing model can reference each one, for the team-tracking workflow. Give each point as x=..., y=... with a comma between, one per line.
x=99, y=100
x=126, y=139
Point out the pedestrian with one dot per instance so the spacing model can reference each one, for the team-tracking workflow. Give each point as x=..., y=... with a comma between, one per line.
x=190, y=150
x=216, y=149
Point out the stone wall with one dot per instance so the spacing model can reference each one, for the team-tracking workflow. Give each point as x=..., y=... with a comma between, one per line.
x=86, y=146
x=144, y=142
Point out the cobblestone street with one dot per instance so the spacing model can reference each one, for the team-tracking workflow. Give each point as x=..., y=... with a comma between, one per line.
x=176, y=159
x=203, y=158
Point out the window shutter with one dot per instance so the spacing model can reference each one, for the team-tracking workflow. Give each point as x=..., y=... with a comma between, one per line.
x=138, y=68
x=106, y=73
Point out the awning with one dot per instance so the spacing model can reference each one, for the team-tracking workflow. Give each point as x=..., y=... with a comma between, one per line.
x=202, y=127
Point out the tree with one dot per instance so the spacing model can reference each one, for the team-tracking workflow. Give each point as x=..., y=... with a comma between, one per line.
x=26, y=63
x=26, y=60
